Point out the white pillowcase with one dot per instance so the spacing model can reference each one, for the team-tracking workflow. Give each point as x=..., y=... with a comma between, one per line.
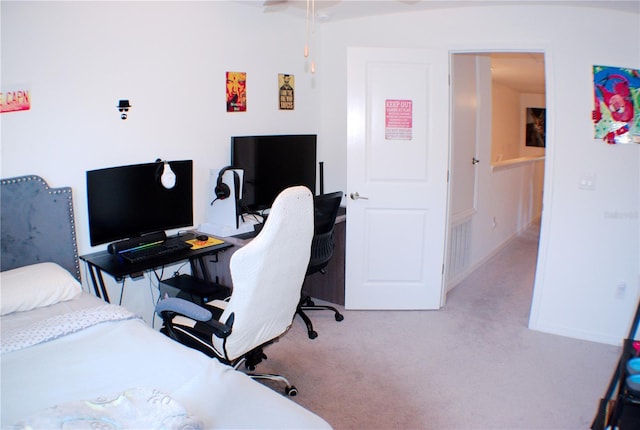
x=36, y=286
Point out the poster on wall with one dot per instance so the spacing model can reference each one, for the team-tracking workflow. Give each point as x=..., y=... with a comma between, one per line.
x=616, y=113
x=535, y=129
x=286, y=86
x=236, y=91
x=15, y=99
x=398, y=119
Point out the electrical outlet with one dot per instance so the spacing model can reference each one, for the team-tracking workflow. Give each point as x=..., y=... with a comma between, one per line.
x=621, y=290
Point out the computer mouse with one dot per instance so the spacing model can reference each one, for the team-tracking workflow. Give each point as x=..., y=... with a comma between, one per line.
x=202, y=238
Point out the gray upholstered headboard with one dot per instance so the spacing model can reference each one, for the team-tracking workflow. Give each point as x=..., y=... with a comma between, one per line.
x=37, y=224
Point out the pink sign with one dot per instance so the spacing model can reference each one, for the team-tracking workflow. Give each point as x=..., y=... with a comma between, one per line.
x=398, y=119
x=15, y=100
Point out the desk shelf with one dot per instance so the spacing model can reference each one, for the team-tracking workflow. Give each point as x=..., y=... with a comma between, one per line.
x=193, y=289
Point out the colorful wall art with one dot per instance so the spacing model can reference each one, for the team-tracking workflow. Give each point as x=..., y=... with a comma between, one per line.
x=616, y=113
x=236, y=91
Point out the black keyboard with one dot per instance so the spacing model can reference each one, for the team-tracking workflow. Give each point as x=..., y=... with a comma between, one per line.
x=165, y=248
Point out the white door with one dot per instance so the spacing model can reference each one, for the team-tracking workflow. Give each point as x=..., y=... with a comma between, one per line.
x=397, y=161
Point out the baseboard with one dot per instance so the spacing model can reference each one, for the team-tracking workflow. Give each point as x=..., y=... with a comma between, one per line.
x=577, y=334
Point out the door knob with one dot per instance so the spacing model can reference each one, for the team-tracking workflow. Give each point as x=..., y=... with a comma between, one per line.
x=356, y=196
x=474, y=160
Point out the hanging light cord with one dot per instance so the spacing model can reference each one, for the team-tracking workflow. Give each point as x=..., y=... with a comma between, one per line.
x=311, y=9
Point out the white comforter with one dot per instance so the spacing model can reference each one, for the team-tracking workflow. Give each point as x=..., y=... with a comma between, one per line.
x=110, y=358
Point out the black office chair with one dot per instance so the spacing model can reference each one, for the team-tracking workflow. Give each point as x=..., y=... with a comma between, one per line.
x=326, y=208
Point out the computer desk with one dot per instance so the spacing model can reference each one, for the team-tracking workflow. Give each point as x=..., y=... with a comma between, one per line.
x=119, y=269
x=328, y=286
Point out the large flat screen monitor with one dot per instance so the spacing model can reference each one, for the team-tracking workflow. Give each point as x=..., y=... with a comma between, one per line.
x=129, y=201
x=271, y=164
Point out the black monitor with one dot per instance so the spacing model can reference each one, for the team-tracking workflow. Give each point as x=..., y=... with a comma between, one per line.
x=271, y=164
x=129, y=201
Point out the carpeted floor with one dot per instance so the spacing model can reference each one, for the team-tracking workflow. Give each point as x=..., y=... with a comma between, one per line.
x=471, y=365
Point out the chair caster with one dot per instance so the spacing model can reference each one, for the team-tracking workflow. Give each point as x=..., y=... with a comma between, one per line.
x=312, y=334
x=339, y=317
x=291, y=391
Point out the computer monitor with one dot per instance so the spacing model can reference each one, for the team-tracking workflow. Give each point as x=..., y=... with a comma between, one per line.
x=129, y=201
x=272, y=163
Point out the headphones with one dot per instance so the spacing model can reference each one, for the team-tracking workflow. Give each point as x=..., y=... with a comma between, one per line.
x=222, y=190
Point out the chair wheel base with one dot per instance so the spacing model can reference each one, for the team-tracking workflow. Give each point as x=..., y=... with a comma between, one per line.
x=339, y=317
x=312, y=334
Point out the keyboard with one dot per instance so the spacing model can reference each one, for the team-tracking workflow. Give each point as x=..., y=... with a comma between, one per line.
x=165, y=248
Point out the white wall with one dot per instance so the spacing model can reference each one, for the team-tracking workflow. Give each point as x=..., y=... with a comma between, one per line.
x=589, y=238
x=169, y=59
x=505, y=137
x=79, y=58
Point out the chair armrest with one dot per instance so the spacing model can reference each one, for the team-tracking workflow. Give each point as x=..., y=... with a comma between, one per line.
x=170, y=307
x=183, y=307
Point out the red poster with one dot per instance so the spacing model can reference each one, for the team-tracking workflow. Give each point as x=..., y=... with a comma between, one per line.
x=398, y=119
x=236, y=92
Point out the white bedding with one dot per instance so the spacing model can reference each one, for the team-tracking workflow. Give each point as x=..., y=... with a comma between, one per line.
x=110, y=358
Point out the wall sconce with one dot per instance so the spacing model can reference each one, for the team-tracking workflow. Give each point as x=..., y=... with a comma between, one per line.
x=123, y=108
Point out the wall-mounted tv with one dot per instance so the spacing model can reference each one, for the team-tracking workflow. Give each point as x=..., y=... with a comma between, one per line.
x=129, y=201
x=272, y=163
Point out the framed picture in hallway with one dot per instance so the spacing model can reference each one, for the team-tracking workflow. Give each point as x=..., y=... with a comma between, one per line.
x=535, y=127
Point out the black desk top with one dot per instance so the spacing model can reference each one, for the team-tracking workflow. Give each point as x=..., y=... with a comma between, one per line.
x=118, y=267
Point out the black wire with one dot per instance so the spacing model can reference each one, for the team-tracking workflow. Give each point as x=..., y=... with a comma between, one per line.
x=122, y=291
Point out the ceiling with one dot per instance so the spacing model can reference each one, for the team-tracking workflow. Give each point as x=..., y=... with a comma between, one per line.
x=347, y=9
x=522, y=72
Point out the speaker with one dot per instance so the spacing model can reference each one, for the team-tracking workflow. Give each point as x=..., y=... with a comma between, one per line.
x=222, y=190
x=125, y=245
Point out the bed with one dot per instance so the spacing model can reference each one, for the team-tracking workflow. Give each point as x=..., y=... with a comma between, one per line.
x=71, y=360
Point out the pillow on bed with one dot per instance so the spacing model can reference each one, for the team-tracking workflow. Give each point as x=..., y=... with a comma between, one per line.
x=36, y=286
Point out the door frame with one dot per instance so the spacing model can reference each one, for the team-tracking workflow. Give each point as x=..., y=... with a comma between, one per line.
x=545, y=49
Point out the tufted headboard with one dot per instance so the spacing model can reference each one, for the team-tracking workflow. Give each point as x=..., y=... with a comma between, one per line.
x=37, y=224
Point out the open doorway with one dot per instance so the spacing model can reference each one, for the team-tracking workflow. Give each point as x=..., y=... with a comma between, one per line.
x=496, y=167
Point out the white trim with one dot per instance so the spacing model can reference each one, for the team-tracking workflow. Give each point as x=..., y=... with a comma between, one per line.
x=514, y=162
x=578, y=334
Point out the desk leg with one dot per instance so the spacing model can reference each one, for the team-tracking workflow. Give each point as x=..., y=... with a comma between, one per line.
x=96, y=279
x=203, y=268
